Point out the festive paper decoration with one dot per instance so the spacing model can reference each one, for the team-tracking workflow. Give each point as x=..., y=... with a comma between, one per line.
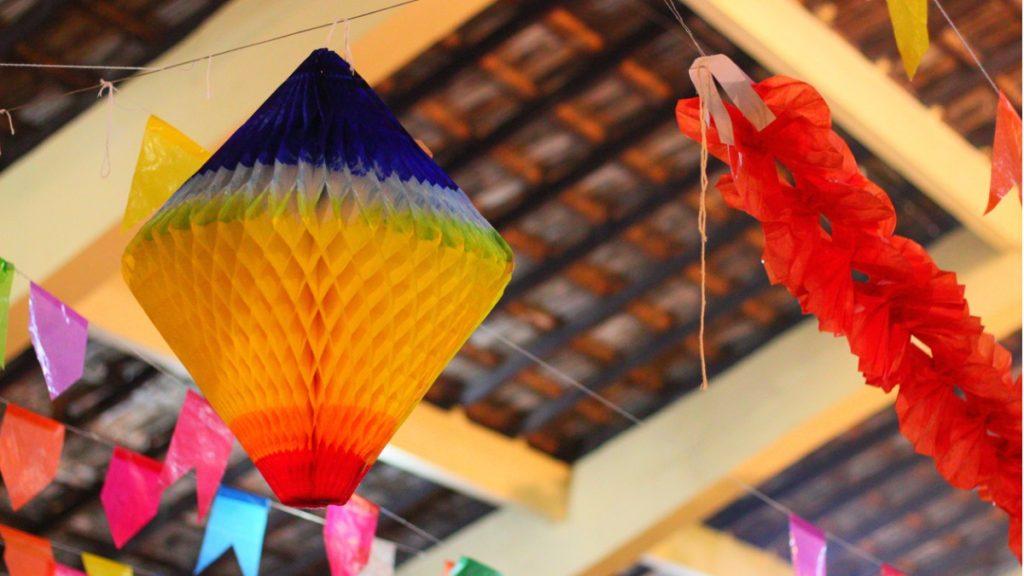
x=829, y=239
x=1006, y=154
x=807, y=546
x=315, y=276
x=25, y=554
x=63, y=570
x=30, y=447
x=200, y=441
x=166, y=160
x=889, y=571
x=348, y=535
x=99, y=566
x=469, y=567
x=131, y=493
x=59, y=336
x=6, y=280
x=238, y=520
x=910, y=24
x=382, y=559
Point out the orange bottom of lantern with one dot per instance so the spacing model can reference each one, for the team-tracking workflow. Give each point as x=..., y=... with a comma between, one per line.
x=313, y=479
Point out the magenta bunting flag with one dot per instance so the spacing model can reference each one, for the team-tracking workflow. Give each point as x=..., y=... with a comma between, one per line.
x=348, y=535
x=201, y=441
x=382, y=559
x=131, y=493
x=890, y=571
x=63, y=570
x=59, y=336
x=807, y=547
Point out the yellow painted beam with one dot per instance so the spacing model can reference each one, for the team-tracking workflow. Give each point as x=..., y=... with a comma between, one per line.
x=680, y=466
x=890, y=121
x=713, y=553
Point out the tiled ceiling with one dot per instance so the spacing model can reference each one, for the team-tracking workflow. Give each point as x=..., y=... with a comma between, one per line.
x=556, y=118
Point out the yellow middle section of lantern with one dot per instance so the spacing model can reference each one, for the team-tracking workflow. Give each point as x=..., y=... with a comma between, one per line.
x=315, y=332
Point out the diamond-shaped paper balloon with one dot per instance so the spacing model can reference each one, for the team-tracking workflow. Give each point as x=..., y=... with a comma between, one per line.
x=315, y=276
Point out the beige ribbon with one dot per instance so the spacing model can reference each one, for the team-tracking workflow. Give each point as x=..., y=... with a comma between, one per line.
x=737, y=85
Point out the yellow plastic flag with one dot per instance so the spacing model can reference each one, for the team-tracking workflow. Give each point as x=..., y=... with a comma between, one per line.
x=166, y=160
x=99, y=566
x=910, y=24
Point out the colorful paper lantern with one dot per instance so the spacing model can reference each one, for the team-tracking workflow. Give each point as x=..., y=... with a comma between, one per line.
x=315, y=276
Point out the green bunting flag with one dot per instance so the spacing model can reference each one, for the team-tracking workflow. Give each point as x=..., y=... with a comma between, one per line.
x=6, y=279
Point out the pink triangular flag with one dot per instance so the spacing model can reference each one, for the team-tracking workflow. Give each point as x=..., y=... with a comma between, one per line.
x=63, y=570
x=200, y=441
x=1006, y=154
x=348, y=535
x=890, y=571
x=59, y=336
x=807, y=547
x=30, y=447
x=131, y=493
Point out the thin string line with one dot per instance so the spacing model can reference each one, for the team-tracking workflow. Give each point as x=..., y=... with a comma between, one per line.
x=702, y=223
x=304, y=515
x=753, y=491
x=682, y=22
x=72, y=66
x=409, y=525
x=191, y=62
x=967, y=45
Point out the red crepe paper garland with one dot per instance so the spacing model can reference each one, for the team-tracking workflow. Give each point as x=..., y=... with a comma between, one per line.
x=829, y=239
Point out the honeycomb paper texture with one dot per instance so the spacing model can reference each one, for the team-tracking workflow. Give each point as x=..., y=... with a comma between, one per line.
x=315, y=276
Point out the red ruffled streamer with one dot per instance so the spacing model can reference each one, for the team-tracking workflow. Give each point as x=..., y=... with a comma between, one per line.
x=829, y=239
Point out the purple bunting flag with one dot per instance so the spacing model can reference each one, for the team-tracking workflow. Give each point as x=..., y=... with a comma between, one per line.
x=131, y=493
x=807, y=547
x=348, y=535
x=200, y=441
x=59, y=336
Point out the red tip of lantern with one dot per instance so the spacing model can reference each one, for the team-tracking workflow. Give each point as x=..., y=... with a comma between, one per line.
x=313, y=478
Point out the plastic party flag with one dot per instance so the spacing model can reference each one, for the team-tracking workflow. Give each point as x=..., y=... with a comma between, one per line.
x=30, y=447
x=25, y=554
x=469, y=567
x=910, y=24
x=238, y=520
x=890, y=571
x=382, y=559
x=332, y=267
x=807, y=547
x=348, y=535
x=59, y=336
x=63, y=570
x=131, y=493
x=6, y=280
x=200, y=441
x=166, y=160
x=99, y=566
x=1006, y=154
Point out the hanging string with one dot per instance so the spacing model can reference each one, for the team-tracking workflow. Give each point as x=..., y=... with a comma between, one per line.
x=73, y=66
x=209, y=67
x=751, y=490
x=143, y=71
x=702, y=223
x=348, y=46
x=967, y=46
x=330, y=34
x=682, y=22
x=108, y=88
x=10, y=123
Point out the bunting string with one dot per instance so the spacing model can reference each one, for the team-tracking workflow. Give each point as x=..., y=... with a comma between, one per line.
x=967, y=45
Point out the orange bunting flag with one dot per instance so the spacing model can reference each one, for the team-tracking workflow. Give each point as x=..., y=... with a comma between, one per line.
x=30, y=447
x=25, y=554
x=910, y=25
x=99, y=566
x=1006, y=154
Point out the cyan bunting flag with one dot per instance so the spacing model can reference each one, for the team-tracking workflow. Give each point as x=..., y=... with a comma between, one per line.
x=200, y=441
x=131, y=493
x=59, y=336
x=807, y=547
x=30, y=447
x=6, y=280
x=238, y=520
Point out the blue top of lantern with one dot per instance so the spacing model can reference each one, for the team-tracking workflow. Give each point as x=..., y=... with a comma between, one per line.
x=326, y=114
